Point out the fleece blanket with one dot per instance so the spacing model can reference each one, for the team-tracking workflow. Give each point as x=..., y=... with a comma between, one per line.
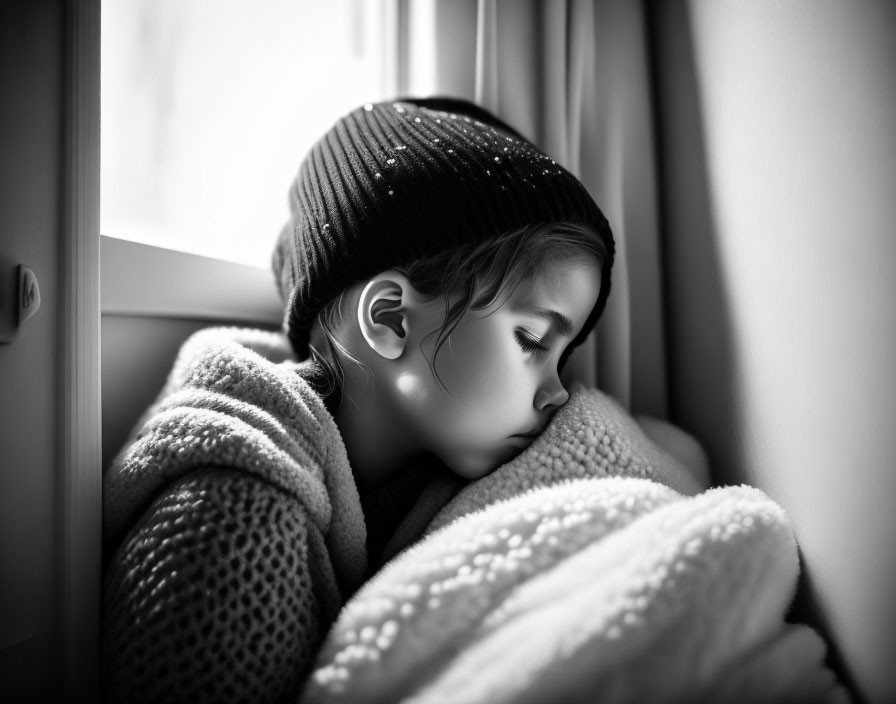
x=589, y=568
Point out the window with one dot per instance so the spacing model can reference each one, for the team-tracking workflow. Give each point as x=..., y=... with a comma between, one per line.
x=209, y=105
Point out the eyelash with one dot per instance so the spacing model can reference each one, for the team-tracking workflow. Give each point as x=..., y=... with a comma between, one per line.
x=528, y=343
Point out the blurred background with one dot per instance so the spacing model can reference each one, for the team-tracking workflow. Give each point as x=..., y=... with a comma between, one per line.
x=207, y=108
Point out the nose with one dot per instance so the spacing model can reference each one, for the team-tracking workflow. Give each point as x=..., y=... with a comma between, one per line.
x=551, y=393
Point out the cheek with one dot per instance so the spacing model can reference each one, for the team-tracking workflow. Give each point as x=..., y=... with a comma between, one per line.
x=490, y=398
x=484, y=372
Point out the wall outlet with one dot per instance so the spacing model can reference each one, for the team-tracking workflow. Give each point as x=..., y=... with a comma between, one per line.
x=29, y=294
x=19, y=298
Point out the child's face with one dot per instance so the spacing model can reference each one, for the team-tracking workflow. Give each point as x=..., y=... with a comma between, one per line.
x=500, y=370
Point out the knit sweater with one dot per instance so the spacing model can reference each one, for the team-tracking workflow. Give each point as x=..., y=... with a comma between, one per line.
x=233, y=530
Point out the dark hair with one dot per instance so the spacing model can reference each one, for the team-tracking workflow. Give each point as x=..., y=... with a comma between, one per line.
x=476, y=276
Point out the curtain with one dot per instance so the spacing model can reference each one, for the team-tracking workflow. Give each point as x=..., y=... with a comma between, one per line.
x=573, y=76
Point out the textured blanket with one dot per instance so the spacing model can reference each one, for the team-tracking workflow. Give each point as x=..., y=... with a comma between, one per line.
x=583, y=571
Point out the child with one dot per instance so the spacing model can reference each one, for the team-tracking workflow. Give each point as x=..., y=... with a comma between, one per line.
x=438, y=269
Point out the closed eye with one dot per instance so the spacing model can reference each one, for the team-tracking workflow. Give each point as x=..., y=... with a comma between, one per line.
x=528, y=342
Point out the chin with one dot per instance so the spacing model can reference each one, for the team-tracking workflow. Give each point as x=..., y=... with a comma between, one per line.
x=475, y=467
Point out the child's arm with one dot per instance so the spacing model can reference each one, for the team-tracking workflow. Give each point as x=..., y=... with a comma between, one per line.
x=217, y=594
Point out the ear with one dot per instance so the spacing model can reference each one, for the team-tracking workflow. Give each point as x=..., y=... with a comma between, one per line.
x=382, y=313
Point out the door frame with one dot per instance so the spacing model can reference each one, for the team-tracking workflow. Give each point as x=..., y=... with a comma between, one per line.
x=79, y=430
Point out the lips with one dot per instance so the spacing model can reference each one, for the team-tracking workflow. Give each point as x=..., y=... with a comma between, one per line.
x=530, y=434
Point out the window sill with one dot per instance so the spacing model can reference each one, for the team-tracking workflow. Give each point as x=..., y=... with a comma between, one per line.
x=146, y=281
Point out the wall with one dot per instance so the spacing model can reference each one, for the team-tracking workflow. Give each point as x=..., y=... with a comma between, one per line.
x=31, y=50
x=776, y=122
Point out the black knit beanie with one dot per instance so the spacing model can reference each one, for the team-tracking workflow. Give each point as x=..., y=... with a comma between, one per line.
x=394, y=182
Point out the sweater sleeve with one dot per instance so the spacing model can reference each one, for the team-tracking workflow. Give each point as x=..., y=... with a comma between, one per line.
x=217, y=594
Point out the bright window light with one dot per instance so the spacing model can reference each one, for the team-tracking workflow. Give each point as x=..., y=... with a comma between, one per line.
x=208, y=107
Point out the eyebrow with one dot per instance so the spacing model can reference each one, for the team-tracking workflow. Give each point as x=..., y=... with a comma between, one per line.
x=563, y=323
